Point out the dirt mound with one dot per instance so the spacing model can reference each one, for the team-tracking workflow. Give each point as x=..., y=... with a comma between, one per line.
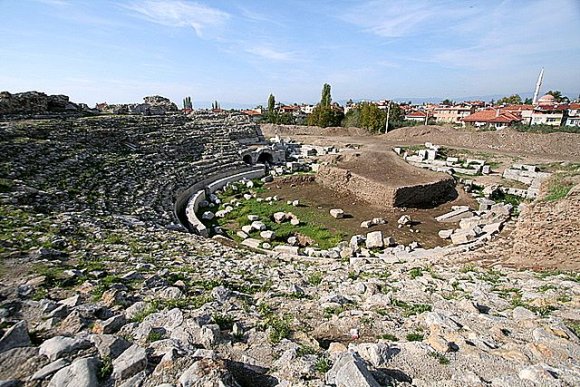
x=384, y=179
x=546, y=235
x=271, y=130
x=560, y=145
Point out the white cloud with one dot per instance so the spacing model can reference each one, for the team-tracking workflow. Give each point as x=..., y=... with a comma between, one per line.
x=271, y=53
x=177, y=13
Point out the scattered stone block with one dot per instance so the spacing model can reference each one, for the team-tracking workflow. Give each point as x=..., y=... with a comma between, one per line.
x=404, y=220
x=337, y=213
x=268, y=235
x=280, y=217
x=207, y=215
x=292, y=250
x=374, y=240
x=367, y=224
x=456, y=215
x=242, y=234
x=445, y=234
x=258, y=226
x=252, y=243
x=253, y=218
x=247, y=229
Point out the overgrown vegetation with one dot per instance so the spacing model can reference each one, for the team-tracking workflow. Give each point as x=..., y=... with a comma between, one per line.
x=310, y=225
x=560, y=184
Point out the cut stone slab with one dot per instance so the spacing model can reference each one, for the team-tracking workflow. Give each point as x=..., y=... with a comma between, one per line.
x=253, y=218
x=16, y=336
x=251, y=242
x=242, y=234
x=492, y=228
x=337, y=213
x=130, y=362
x=293, y=250
x=247, y=229
x=57, y=346
x=82, y=372
x=374, y=240
x=455, y=215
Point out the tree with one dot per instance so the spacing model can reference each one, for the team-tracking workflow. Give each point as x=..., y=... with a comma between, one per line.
x=215, y=105
x=324, y=114
x=528, y=101
x=326, y=98
x=368, y=116
x=271, y=104
x=511, y=100
x=447, y=101
x=558, y=96
x=187, y=103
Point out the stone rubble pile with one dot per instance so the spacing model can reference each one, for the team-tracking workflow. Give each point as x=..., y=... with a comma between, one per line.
x=428, y=159
x=95, y=290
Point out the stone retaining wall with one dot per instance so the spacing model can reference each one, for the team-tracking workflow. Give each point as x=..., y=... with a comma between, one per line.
x=374, y=192
x=188, y=202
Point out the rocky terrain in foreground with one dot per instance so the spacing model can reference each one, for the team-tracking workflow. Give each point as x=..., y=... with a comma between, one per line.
x=99, y=288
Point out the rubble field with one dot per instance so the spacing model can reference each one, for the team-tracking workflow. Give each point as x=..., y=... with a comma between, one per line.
x=100, y=284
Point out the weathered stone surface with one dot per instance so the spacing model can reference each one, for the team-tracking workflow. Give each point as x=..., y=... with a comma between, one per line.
x=57, y=346
x=82, y=372
x=16, y=336
x=110, y=346
x=130, y=362
x=49, y=369
x=350, y=370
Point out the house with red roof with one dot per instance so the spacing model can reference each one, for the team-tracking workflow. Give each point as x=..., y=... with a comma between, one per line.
x=492, y=118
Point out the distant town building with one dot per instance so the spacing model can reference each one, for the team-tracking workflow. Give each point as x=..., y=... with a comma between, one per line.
x=452, y=114
x=492, y=118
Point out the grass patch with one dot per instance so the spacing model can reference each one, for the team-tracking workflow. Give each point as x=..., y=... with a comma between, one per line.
x=315, y=278
x=500, y=196
x=279, y=328
x=323, y=365
x=388, y=336
x=105, y=368
x=310, y=224
x=560, y=184
x=416, y=272
x=440, y=357
x=542, y=311
x=574, y=326
x=411, y=309
x=415, y=336
x=224, y=321
x=154, y=335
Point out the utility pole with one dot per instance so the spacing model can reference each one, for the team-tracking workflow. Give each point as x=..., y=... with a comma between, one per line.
x=388, y=114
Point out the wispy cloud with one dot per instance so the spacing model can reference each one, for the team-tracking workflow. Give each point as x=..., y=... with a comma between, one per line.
x=390, y=19
x=271, y=53
x=177, y=13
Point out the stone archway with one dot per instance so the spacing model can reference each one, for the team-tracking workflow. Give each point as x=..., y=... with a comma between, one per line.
x=265, y=158
x=248, y=159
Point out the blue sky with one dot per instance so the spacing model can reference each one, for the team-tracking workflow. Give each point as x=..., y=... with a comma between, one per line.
x=240, y=51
